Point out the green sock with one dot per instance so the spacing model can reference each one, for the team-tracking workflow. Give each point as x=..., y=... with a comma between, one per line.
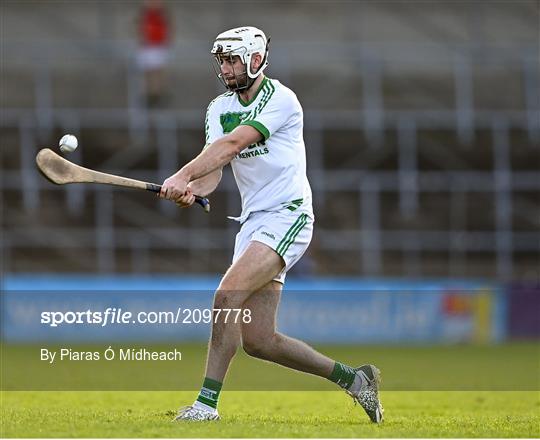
x=209, y=393
x=343, y=375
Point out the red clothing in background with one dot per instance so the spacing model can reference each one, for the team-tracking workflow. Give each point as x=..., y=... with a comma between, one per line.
x=154, y=27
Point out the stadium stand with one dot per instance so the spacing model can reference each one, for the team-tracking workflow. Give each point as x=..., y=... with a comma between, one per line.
x=423, y=137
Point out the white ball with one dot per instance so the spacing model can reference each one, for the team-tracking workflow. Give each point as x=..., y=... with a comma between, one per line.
x=68, y=143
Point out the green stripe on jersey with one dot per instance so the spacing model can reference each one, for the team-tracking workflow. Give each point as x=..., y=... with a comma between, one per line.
x=268, y=92
x=293, y=204
x=248, y=103
x=259, y=127
x=206, y=122
x=249, y=115
x=264, y=99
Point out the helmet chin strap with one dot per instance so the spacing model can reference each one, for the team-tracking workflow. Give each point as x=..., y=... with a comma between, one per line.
x=250, y=82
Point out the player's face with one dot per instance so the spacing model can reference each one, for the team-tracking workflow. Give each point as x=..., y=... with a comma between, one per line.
x=233, y=71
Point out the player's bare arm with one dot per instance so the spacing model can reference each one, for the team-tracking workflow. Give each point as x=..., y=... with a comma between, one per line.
x=207, y=184
x=214, y=157
x=204, y=185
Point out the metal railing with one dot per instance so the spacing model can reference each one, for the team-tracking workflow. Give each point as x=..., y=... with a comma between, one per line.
x=369, y=238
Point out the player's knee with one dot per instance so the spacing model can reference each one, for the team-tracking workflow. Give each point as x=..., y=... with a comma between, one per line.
x=255, y=346
x=224, y=300
x=254, y=349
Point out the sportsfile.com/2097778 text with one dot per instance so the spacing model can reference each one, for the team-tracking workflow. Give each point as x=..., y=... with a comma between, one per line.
x=113, y=315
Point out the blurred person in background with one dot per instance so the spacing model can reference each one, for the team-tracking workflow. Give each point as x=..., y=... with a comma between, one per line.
x=154, y=29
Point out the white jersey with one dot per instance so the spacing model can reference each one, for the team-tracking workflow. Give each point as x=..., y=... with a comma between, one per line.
x=271, y=175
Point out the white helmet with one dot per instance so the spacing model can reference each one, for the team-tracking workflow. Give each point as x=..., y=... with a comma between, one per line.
x=244, y=42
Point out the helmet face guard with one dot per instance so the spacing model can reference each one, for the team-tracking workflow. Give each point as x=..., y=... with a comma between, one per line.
x=240, y=79
x=244, y=43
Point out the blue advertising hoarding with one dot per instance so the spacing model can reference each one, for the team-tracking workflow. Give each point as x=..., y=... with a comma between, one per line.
x=316, y=310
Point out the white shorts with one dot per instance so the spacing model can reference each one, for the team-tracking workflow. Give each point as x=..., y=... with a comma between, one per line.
x=287, y=232
x=150, y=58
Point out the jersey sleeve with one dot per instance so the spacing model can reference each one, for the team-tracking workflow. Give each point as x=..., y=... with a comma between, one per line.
x=212, y=128
x=275, y=109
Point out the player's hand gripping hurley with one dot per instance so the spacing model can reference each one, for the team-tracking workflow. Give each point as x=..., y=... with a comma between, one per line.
x=61, y=171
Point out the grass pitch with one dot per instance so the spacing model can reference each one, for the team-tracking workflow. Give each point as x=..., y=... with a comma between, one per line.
x=427, y=392
x=504, y=367
x=270, y=414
